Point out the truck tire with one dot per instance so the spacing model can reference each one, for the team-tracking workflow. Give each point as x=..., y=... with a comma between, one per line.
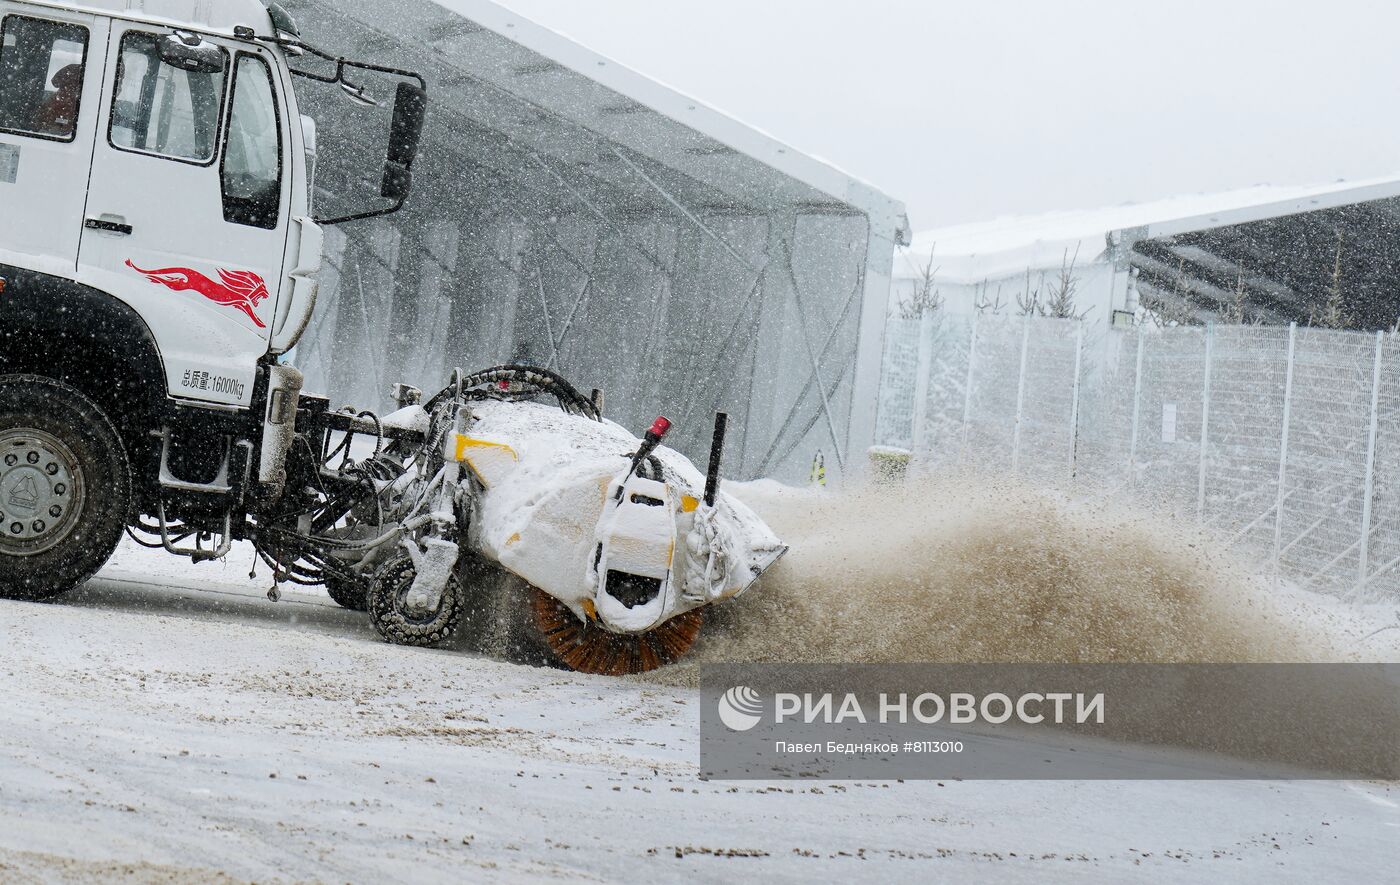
x=391, y=617
x=65, y=487
x=350, y=592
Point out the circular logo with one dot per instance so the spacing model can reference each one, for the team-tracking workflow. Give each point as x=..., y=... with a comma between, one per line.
x=740, y=708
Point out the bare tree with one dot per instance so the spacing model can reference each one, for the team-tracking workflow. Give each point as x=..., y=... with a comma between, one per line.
x=1333, y=314
x=926, y=298
x=1055, y=298
x=1176, y=310
x=1237, y=312
x=1028, y=302
x=983, y=304
x=1061, y=301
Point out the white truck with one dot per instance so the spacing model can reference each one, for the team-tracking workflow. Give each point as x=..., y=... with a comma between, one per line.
x=158, y=257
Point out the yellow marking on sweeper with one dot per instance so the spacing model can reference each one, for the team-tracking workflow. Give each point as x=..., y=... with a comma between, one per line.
x=466, y=442
x=489, y=456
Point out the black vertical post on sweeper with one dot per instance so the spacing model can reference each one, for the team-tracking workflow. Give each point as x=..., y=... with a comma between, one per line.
x=716, y=453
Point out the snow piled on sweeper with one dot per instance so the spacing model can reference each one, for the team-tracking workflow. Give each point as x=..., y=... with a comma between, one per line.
x=622, y=541
x=550, y=512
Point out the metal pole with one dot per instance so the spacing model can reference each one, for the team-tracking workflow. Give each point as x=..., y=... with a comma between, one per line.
x=811, y=351
x=967, y=388
x=1283, y=447
x=1020, y=396
x=1370, y=463
x=1137, y=410
x=806, y=388
x=1074, y=403
x=1205, y=424
x=922, y=369
x=544, y=309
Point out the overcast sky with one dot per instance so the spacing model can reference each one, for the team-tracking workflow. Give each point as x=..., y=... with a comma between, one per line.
x=980, y=108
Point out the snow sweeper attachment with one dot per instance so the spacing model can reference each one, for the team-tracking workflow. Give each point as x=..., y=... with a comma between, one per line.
x=622, y=541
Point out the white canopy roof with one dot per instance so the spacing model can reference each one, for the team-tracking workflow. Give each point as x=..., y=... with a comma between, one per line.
x=1009, y=245
x=539, y=89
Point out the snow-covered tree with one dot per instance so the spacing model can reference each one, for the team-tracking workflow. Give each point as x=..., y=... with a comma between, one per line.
x=925, y=298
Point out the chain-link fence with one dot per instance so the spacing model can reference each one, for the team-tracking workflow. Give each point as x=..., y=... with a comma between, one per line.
x=1285, y=441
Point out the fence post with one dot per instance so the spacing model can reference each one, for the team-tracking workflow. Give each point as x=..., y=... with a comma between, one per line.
x=1283, y=446
x=1205, y=423
x=1370, y=464
x=967, y=388
x=1020, y=396
x=1074, y=403
x=921, y=373
x=1137, y=410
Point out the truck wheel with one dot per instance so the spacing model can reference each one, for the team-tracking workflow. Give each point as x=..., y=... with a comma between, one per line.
x=348, y=592
x=396, y=623
x=65, y=487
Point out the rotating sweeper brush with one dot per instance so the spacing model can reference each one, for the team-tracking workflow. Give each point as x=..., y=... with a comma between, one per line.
x=622, y=540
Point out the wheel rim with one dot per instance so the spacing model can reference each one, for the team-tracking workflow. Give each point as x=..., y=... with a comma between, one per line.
x=403, y=582
x=42, y=492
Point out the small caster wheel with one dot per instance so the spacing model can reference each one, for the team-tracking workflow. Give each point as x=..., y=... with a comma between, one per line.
x=400, y=623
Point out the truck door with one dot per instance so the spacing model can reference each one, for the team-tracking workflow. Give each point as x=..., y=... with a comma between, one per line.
x=186, y=216
x=51, y=64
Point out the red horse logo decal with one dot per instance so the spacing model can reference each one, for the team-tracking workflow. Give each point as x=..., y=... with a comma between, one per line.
x=240, y=289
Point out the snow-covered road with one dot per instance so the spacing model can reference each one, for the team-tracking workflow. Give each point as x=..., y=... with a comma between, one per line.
x=162, y=733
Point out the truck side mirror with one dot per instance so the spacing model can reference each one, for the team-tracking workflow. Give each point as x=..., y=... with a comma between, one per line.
x=405, y=135
x=191, y=52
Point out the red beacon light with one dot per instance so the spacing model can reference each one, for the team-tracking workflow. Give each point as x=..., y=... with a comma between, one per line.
x=650, y=441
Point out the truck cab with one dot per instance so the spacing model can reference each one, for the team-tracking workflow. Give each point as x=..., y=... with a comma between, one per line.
x=158, y=256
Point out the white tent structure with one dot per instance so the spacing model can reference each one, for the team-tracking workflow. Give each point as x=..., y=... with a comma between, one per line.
x=572, y=213
x=1275, y=248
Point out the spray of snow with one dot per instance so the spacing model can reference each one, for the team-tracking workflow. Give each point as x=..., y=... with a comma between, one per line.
x=968, y=569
